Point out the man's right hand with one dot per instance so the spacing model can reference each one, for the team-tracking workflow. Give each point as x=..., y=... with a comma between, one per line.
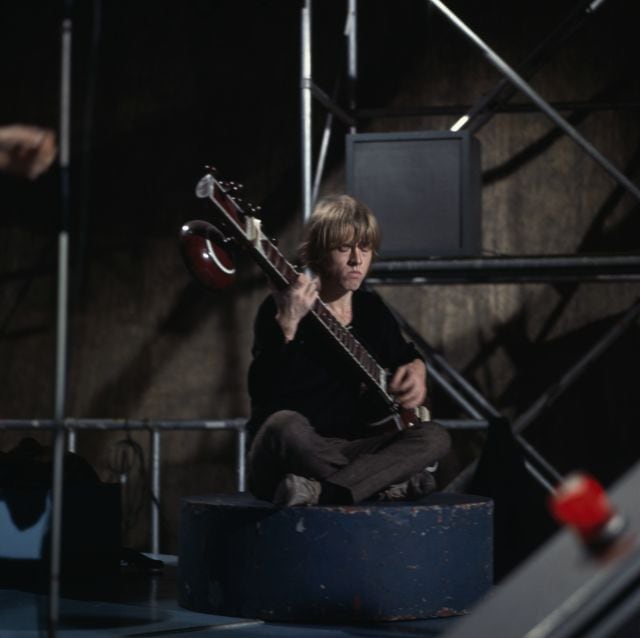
x=26, y=150
x=294, y=302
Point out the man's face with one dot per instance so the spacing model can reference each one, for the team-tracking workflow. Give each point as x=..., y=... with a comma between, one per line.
x=347, y=266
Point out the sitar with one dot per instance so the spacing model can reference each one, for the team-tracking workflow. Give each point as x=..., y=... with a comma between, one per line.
x=206, y=250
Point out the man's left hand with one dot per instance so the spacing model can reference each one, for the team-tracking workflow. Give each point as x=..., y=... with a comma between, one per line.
x=409, y=384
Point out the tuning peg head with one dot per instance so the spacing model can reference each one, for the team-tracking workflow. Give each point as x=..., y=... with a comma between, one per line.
x=210, y=169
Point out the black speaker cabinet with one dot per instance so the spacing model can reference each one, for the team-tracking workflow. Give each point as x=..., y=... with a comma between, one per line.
x=424, y=187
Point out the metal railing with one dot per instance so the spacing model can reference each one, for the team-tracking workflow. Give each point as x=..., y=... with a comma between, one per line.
x=155, y=429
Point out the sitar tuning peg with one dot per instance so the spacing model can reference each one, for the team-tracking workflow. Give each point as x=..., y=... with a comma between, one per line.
x=253, y=209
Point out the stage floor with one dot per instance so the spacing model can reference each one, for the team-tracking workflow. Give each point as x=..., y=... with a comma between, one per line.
x=145, y=605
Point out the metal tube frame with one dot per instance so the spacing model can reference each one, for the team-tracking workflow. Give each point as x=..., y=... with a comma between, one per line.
x=324, y=148
x=155, y=491
x=332, y=109
x=554, y=268
x=61, y=324
x=437, y=366
x=305, y=108
x=311, y=185
x=546, y=400
x=309, y=90
x=540, y=469
x=544, y=106
x=530, y=269
x=69, y=424
x=485, y=108
x=549, y=397
x=351, y=31
x=507, y=109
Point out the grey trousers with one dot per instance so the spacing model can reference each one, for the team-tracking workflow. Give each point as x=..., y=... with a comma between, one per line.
x=287, y=443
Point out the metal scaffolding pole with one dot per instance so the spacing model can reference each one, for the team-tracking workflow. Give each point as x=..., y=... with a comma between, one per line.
x=241, y=459
x=305, y=109
x=352, y=62
x=529, y=269
x=61, y=321
x=309, y=90
x=350, y=32
x=155, y=492
x=485, y=108
x=510, y=108
x=550, y=396
x=567, y=379
x=324, y=148
x=544, y=106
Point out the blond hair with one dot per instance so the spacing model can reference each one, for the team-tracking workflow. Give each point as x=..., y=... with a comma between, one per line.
x=337, y=220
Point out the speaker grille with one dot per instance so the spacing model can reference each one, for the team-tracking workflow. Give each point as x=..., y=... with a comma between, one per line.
x=423, y=187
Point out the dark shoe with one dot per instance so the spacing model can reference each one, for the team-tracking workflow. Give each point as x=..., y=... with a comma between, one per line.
x=297, y=490
x=419, y=485
x=395, y=492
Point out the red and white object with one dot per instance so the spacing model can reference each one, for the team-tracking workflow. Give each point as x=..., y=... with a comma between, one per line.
x=581, y=503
